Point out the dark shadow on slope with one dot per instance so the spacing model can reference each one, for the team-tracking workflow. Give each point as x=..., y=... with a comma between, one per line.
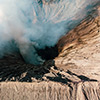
x=82, y=77
x=13, y=68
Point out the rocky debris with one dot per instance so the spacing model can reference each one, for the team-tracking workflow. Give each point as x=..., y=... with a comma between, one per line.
x=73, y=75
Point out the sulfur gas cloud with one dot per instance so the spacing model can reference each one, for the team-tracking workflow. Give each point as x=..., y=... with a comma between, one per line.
x=28, y=25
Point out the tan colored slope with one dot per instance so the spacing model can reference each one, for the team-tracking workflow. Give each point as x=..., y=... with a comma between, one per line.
x=81, y=51
x=73, y=75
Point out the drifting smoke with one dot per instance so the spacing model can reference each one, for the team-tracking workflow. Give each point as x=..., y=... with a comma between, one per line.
x=29, y=24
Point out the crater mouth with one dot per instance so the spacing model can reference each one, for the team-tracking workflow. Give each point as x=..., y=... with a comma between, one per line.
x=48, y=53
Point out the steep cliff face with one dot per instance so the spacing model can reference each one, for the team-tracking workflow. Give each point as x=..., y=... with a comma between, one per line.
x=73, y=75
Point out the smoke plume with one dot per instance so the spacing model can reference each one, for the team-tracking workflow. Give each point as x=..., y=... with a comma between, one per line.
x=29, y=24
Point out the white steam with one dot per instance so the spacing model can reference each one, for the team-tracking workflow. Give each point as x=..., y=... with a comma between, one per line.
x=28, y=24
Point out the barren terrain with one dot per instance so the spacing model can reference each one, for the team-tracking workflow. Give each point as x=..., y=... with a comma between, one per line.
x=73, y=75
